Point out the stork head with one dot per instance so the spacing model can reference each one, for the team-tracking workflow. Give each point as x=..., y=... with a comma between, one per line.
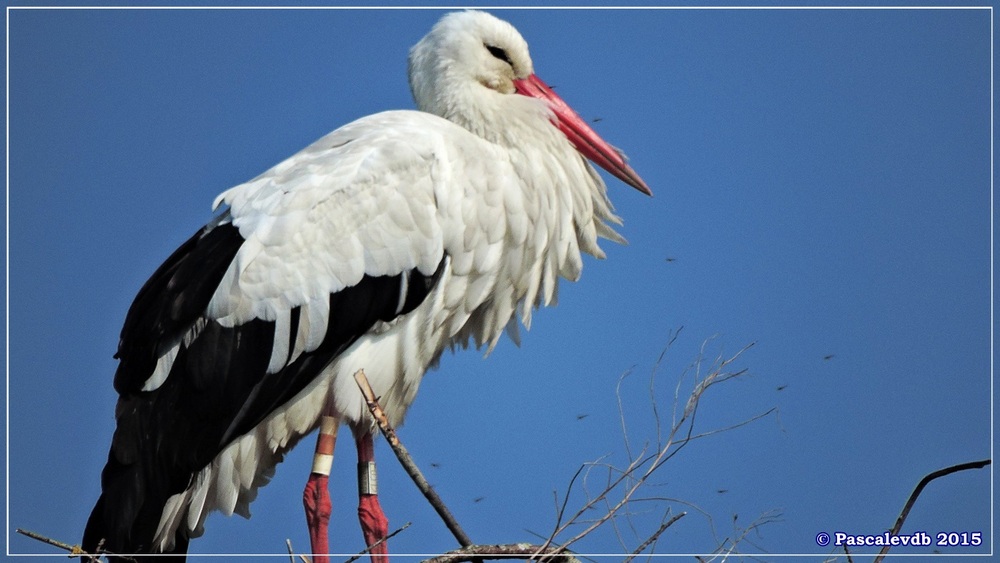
x=469, y=58
x=465, y=49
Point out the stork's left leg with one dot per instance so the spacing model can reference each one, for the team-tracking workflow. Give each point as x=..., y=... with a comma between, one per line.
x=374, y=524
x=316, y=497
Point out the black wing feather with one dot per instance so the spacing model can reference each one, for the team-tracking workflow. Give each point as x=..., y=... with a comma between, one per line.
x=217, y=388
x=173, y=298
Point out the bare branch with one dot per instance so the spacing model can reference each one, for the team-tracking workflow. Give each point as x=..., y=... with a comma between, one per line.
x=652, y=380
x=621, y=414
x=378, y=543
x=407, y=461
x=291, y=553
x=507, y=551
x=754, y=418
x=655, y=536
x=643, y=464
x=74, y=550
x=916, y=493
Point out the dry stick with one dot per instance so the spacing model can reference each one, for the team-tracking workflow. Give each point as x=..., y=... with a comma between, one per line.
x=502, y=551
x=916, y=492
x=655, y=536
x=74, y=550
x=407, y=461
x=378, y=543
x=291, y=553
x=663, y=455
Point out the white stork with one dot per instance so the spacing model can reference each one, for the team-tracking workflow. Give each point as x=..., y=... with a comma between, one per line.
x=379, y=246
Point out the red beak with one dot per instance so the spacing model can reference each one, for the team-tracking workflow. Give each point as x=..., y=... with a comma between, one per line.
x=589, y=143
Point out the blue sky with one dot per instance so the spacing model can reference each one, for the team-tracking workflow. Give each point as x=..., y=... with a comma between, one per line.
x=823, y=188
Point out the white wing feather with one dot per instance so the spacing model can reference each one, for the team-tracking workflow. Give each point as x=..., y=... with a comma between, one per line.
x=363, y=200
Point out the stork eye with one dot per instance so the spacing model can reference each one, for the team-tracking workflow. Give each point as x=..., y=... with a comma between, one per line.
x=498, y=53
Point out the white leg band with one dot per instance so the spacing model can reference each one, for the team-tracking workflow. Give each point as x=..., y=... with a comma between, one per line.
x=325, y=443
x=322, y=464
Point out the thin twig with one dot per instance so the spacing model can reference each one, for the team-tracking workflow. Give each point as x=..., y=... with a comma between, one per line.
x=642, y=465
x=729, y=547
x=674, y=334
x=754, y=418
x=916, y=492
x=291, y=553
x=655, y=536
x=621, y=414
x=378, y=543
x=74, y=550
x=407, y=461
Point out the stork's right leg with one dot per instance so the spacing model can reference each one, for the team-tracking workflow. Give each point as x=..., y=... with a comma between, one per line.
x=316, y=497
x=374, y=524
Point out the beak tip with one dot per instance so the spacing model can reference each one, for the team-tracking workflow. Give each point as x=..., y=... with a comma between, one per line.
x=633, y=179
x=586, y=141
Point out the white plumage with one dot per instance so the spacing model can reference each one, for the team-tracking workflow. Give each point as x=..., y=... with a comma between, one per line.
x=481, y=192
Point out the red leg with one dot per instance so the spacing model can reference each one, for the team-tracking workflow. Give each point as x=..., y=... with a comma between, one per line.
x=374, y=524
x=316, y=497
